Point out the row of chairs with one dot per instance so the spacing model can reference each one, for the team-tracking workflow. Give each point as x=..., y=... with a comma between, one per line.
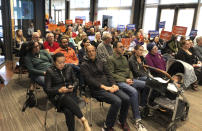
x=85, y=96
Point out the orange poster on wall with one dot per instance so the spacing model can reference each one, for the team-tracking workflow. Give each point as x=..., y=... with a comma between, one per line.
x=165, y=35
x=179, y=30
x=79, y=21
x=126, y=42
x=69, y=22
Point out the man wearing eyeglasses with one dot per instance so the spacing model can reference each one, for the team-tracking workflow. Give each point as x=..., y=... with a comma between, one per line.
x=37, y=62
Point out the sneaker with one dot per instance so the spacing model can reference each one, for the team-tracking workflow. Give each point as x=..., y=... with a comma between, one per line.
x=125, y=127
x=105, y=128
x=139, y=126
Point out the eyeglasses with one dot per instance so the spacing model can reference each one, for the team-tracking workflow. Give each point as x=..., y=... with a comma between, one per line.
x=65, y=42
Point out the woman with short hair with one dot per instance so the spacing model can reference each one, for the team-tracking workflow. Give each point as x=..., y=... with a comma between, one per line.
x=60, y=82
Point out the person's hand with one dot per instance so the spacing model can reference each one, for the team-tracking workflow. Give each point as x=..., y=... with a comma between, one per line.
x=112, y=90
x=116, y=88
x=105, y=87
x=63, y=89
x=129, y=81
x=70, y=86
x=47, y=50
x=69, y=90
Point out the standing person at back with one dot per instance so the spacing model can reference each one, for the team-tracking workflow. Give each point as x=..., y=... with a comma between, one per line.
x=105, y=49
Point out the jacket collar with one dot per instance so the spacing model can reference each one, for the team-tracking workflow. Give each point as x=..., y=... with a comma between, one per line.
x=117, y=56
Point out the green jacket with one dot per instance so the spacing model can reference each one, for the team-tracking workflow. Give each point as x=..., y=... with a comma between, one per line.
x=119, y=68
x=38, y=65
x=174, y=46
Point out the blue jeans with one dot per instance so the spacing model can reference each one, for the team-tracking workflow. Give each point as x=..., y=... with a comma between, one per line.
x=139, y=84
x=133, y=93
x=118, y=99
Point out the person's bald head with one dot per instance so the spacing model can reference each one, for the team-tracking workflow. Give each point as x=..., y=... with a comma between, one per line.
x=91, y=52
x=35, y=36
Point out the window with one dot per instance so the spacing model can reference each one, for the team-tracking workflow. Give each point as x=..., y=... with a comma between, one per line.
x=185, y=21
x=119, y=17
x=178, y=1
x=120, y=10
x=58, y=11
x=152, y=1
x=199, y=26
x=150, y=19
x=114, y=3
x=0, y=19
x=168, y=16
x=79, y=3
x=79, y=8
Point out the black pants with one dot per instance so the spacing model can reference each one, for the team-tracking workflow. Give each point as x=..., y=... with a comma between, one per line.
x=70, y=108
x=198, y=72
x=117, y=100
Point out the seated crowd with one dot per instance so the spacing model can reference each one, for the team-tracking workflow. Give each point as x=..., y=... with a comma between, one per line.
x=65, y=61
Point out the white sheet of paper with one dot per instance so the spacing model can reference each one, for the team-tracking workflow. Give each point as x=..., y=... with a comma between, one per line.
x=172, y=87
x=161, y=80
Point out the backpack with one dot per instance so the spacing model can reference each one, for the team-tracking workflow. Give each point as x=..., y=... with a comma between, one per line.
x=30, y=102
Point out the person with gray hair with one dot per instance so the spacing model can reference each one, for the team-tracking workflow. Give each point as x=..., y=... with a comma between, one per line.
x=97, y=40
x=105, y=49
x=50, y=44
x=198, y=47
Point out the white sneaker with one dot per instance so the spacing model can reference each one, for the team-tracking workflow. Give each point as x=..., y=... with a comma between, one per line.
x=139, y=126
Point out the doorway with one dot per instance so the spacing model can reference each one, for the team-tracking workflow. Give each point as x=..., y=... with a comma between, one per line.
x=58, y=16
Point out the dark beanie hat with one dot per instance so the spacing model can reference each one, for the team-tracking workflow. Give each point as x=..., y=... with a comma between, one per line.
x=150, y=46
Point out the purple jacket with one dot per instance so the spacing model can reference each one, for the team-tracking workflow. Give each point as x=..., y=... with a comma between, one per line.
x=155, y=61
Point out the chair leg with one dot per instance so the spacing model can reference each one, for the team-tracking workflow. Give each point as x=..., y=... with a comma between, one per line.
x=91, y=113
x=56, y=128
x=46, y=113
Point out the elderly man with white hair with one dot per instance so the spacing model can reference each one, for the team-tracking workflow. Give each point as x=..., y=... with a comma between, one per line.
x=50, y=44
x=198, y=48
x=105, y=49
x=97, y=40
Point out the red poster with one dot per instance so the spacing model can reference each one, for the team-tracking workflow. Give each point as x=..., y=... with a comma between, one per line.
x=179, y=30
x=96, y=23
x=69, y=22
x=88, y=24
x=79, y=21
x=165, y=35
x=126, y=42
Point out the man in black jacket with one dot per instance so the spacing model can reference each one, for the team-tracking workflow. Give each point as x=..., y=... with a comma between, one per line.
x=104, y=88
